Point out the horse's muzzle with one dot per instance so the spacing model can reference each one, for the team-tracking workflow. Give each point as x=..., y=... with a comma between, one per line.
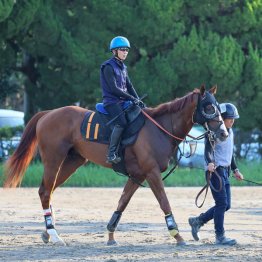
x=222, y=135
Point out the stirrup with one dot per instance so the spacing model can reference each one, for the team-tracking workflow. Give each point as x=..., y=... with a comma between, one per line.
x=113, y=159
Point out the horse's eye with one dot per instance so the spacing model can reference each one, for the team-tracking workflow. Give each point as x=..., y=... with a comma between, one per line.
x=209, y=109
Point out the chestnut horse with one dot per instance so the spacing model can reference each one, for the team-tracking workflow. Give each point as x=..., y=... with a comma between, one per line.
x=63, y=150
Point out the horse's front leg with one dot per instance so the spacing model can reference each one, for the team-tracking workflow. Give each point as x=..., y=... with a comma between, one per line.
x=156, y=184
x=129, y=189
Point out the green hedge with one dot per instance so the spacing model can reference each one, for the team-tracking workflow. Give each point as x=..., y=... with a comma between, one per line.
x=8, y=132
x=96, y=176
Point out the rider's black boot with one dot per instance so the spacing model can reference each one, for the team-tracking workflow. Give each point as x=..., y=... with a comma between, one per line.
x=112, y=156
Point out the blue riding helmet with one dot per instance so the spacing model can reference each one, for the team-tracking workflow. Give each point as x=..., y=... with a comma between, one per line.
x=228, y=110
x=119, y=42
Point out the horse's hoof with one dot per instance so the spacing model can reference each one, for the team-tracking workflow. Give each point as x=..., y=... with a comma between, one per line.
x=60, y=243
x=54, y=237
x=181, y=243
x=45, y=237
x=112, y=243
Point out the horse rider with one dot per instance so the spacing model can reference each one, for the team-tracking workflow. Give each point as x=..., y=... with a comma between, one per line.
x=116, y=89
x=219, y=158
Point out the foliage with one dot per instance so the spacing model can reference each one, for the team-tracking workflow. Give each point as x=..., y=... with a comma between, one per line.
x=6, y=7
x=250, y=93
x=8, y=132
x=176, y=46
x=95, y=176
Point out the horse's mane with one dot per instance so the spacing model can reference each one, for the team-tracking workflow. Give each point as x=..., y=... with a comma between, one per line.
x=172, y=106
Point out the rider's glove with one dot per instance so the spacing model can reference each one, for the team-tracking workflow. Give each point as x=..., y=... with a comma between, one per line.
x=139, y=103
x=136, y=101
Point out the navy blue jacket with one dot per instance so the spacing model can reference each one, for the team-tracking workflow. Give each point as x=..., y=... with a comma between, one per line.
x=115, y=83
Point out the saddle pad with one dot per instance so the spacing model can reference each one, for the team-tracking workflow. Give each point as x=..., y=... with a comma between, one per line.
x=94, y=128
x=101, y=108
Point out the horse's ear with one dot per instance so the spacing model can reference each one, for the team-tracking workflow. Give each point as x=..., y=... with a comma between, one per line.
x=202, y=89
x=213, y=90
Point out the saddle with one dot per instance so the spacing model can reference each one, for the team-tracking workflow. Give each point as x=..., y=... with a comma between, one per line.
x=96, y=127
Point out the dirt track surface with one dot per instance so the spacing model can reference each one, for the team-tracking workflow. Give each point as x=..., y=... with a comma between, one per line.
x=83, y=213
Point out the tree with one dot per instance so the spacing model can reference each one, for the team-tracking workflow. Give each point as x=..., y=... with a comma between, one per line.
x=15, y=19
x=250, y=91
x=58, y=46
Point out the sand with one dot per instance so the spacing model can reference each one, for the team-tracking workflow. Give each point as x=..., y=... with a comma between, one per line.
x=83, y=213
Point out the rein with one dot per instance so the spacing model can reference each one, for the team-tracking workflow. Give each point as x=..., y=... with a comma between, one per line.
x=167, y=132
x=209, y=174
x=211, y=139
x=183, y=139
x=174, y=167
x=171, y=135
x=160, y=127
x=175, y=137
x=132, y=178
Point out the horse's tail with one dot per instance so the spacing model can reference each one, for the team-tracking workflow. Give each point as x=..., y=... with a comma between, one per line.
x=17, y=164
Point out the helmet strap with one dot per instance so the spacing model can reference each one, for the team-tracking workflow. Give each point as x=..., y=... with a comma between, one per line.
x=115, y=53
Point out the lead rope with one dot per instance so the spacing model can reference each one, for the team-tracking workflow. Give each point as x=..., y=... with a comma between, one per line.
x=208, y=176
x=212, y=142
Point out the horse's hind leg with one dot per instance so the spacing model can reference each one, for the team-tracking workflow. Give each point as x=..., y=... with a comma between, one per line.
x=129, y=190
x=52, y=154
x=45, y=193
x=68, y=167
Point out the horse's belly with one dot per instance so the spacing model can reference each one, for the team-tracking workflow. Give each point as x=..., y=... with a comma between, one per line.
x=93, y=152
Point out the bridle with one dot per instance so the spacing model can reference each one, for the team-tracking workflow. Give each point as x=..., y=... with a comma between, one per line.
x=203, y=119
x=200, y=116
x=211, y=136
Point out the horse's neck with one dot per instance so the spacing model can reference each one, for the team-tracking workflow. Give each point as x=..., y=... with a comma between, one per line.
x=182, y=121
x=179, y=123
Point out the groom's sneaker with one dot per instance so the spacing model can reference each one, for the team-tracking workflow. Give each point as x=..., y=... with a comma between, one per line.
x=195, y=223
x=222, y=240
